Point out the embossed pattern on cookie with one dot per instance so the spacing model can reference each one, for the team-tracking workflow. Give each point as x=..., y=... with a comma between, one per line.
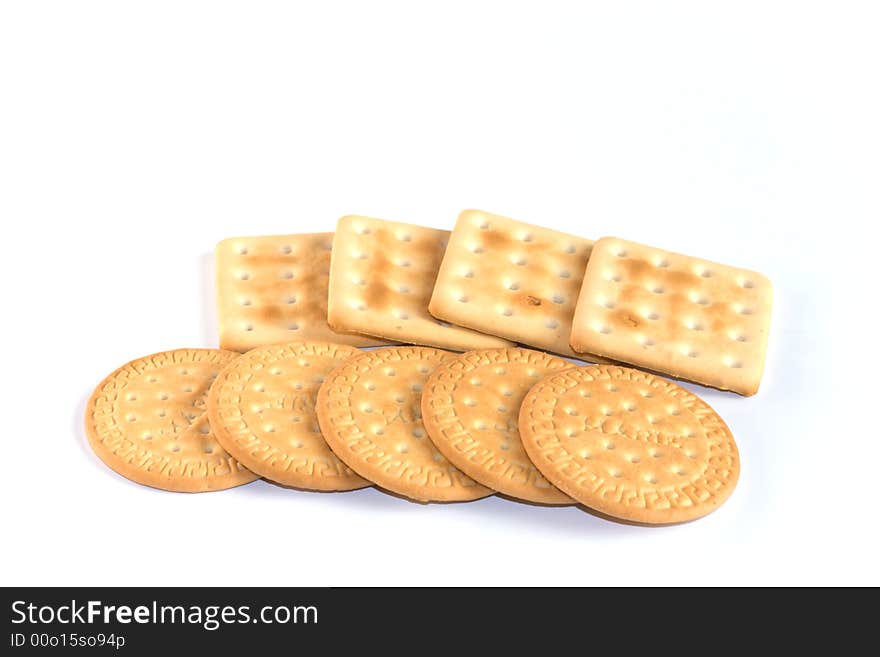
x=262, y=408
x=146, y=422
x=370, y=412
x=470, y=407
x=629, y=444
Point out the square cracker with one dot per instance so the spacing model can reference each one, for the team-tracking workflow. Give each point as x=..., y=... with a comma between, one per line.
x=273, y=289
x=381, y=278
x=682, y=316
x=511, y=279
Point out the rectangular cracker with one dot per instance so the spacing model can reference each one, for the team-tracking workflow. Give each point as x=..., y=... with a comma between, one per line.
x=683, y=316
x=511, y=279
x=273, y=289
x=381, y=278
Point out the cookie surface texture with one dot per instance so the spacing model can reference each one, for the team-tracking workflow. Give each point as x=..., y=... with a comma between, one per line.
x=262, y=410
x=381, y=277
x=273, y=289
x=369, y=410
x=511, y=279
x=629, y=444
x=146, y=422
x=683, y=316
x=470, y=407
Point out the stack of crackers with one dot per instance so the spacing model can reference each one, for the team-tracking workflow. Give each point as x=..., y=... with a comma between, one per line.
x=473, y=391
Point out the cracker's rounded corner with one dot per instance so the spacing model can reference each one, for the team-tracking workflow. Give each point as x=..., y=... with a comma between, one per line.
x=228, y=245
x=759, y=280
x=606, y=242
x=345, y=221
x=576, y=346
x=333, y=322
x=472, y=216
x=750, y=389
x=436, y=306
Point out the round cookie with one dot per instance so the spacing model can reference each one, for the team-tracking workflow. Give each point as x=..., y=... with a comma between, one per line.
x=262, y=410
x=369, y=410
x=629, y=444
x=470, y=407
x=144, y=422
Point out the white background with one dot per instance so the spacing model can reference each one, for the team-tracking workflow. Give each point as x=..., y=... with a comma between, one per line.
x=134, y=136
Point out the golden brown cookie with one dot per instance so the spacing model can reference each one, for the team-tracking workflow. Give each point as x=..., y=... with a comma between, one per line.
x=262, y=409
x=145, y=421
x=629, y=444
x=470, y=407
x=369, y=410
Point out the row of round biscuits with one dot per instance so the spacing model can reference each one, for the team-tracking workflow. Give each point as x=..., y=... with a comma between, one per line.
x=419, y=422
